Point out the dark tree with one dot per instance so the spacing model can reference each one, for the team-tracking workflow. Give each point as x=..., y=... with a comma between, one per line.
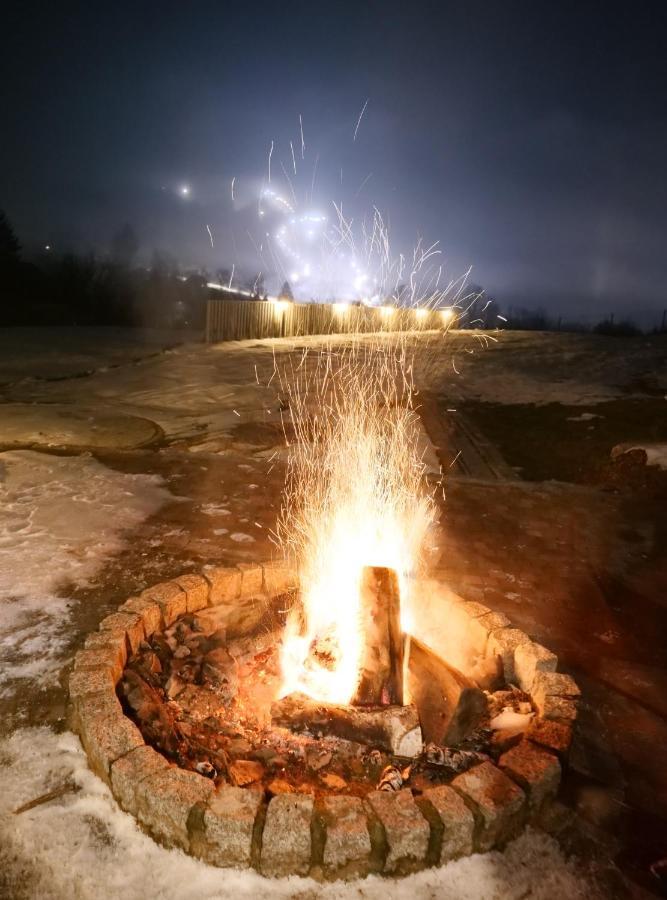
x=10, y=248
x=124, y=245
x=286, y=291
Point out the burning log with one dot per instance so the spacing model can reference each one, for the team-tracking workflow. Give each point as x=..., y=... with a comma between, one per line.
x=450, y=706
x=381, y=681
x=394, y=729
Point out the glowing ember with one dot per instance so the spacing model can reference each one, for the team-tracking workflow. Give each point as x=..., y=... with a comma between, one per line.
x=355, y=498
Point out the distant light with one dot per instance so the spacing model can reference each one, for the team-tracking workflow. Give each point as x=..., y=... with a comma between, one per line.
x=47, y=246
x=294, y=276
x=447, y=314
x=184, y=190
x=386, y=310
x=341, y=308
x=420, y=313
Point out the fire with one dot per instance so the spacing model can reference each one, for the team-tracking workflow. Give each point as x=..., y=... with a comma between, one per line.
x=355, y=498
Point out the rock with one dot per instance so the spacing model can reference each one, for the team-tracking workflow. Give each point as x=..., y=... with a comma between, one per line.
x=532, y=658
x=286, y=840
x=197, y=591
x=558, y=708
x=553, y=684
x=181, y=652
x=457, y=821
x=279, y=578
x=317, y=759
x=536, y=770
x=333, y=782
x=497, y=800
x=555, y=736
x=129, y=770
x=245, y=771
x=504, y=642
x=225, y=837
x=109, y=640
x=165, y=801
x=106, y=733
x=149, y=611
x=407, y=831
x=104, y=657
x=131, y=623
x=225, y=584
x=347, y=843
x=504, y=739
x=170, y=598
x=280, y=786
x=252, y=580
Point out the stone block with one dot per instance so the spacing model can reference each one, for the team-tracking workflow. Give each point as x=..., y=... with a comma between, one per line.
x=504, y=643
x=128, y=771
x=555, y=736
x=106, y=733
x=475, y=610
x=165, y=800
x=553, y=684
x=113, y=640
x=347, y=842
x=252, y=579
x=535, y=770
x=131, y=623
x=562, y=709
x=197, y=591
x=496, y=801
x=492, y=621
x=227, y=823
x=279, y=578
x=95, y=680
x=532, y=658
x=458, y=822
x=149, y=610
x=225, y=583
x=104, y=657
x=406, y=830
x=171, y=599
x=286, y=840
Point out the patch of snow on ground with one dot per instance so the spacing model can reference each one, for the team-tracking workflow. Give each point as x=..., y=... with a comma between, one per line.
x=60, y=519
x=584, y=417
x=82, y=845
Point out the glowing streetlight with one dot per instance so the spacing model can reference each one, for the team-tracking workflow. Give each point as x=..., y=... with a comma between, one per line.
x=340, y=308
x=184, y=190
x=447, y=314
x=386, y=311
x=421, y=313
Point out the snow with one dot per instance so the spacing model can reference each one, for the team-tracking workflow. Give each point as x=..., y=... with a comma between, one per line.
x=656, y=454
x=82, y=845
x=584, y=417
x=511, y=720
x=60, y=519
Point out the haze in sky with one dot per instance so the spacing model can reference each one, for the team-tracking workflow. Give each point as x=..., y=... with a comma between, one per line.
x=529, y=139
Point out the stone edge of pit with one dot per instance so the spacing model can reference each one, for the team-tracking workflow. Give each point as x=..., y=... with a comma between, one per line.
x=339, y=836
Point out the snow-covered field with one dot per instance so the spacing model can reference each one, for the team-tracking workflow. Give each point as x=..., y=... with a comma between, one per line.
x=61, y=518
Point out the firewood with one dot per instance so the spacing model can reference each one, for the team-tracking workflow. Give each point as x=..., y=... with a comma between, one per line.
x=450, y=706
x=391, y=728
x=381, y=680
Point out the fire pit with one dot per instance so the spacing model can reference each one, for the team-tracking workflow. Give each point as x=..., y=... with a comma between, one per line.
x=189, y=709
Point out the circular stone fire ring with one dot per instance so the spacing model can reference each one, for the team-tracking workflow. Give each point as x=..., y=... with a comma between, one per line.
x=341, y=830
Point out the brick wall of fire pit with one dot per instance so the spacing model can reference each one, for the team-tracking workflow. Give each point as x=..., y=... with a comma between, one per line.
x=334, y=836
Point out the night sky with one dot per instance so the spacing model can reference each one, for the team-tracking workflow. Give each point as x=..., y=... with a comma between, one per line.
x=530, y=139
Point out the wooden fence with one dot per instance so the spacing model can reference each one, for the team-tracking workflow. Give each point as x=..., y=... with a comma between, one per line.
x=237, y=320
